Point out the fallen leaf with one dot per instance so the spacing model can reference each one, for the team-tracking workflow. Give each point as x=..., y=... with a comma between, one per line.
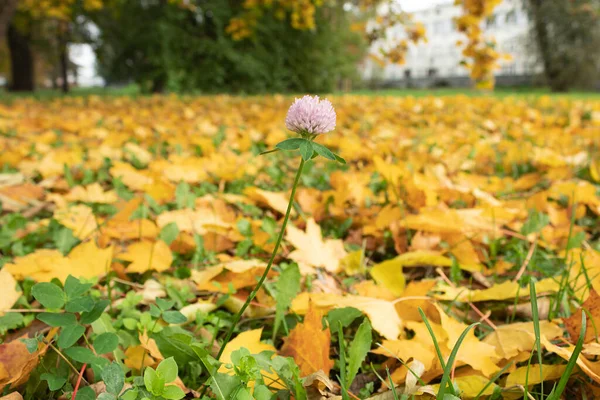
x=146, y=256
x=308, y=344
x=591, y=368
x=312, y=250
x=502, y=291
x=479, y=355
x=137, y=357
x=235, y=273
x=8, y=288
x=16, y=363
x=277, y=201
x=389, y=274
x=18, y=197
x=592, y=309
x=513, y=339
x=530, y=375
x=381, y=313
x=92, y=194
x=80, y=219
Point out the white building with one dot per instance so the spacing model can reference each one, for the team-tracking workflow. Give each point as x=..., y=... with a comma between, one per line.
x=439, y=58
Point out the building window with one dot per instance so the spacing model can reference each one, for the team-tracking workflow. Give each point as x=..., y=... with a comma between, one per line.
x=509, y=69
x=407, y=73
x=511, y=17
x=491, y=21
x=432, y=72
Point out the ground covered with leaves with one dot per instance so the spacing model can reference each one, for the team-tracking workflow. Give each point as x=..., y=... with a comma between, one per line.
x=133, y=229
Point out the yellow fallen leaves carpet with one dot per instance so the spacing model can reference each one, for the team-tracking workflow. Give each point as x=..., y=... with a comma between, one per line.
x=452, y=204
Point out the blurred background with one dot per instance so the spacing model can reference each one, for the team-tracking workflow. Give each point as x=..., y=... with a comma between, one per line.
x=258, y=46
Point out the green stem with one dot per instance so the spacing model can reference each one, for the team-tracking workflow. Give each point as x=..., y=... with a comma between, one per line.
x=262, y=279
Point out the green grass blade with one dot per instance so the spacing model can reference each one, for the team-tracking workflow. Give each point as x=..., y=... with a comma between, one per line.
x=342, y=377
x=538, y=335
x=495, y=377
x=564, y=379
x=448, y=368
x=435, y=342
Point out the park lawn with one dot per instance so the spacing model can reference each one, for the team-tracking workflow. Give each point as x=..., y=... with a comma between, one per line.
x=449, y=211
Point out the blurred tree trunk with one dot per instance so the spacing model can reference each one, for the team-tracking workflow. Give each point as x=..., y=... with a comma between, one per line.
x=63, y=56
x=542, y=38
x=21, y=61
x=7, y=10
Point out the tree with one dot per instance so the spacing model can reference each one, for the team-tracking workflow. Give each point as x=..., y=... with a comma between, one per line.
x=40, y=30
x=566, y=36
x=7, y=10
x=181, y=47
x=480, y=51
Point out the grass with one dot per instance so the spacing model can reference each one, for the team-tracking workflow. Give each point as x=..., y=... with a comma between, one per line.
x=133, y=90
x=499, y=92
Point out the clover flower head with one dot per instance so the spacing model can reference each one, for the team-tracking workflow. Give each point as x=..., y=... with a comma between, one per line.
x=309, y=115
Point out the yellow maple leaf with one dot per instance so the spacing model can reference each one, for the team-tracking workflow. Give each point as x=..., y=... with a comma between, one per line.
x=92, y=194
x=312, y=250
x=80, y=219
x=146, y=255
x=89, y=261
x=85, y=260
x=308, y=344
x=42, y=265
x=381, y=313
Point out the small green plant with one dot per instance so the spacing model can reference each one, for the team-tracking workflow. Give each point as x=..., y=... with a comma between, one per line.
x=309, y=117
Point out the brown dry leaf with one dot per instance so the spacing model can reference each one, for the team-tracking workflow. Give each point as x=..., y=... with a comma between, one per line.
x=92, y=194
x=312, y=250
x=146, y=255
x=308, y=344
x=591, y=368
x=8, y=288
x=12, y=396
x=592, y=310
x=80, y=219
x=17, y=197
x=381, y=313
x=16, y=363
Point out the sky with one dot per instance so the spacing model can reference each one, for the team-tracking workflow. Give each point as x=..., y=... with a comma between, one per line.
x=83, y=55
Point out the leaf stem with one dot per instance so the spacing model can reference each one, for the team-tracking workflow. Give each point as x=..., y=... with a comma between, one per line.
x=262, y=279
